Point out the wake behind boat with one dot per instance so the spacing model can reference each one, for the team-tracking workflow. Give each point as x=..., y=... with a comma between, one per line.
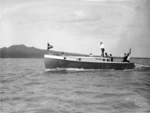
x=82, y=62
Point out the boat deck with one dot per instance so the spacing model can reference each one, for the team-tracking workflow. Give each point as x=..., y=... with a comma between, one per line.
x=83, y=59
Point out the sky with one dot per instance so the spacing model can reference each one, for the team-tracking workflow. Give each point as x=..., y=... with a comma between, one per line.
x=77, y=26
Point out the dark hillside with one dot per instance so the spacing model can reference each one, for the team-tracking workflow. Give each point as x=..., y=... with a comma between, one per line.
x=22, y=51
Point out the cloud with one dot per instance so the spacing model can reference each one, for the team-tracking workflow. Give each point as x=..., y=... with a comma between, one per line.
x=76, y=26
x=79, y=13
x=79, y=16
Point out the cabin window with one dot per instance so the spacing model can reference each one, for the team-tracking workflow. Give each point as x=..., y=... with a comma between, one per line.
x=103, y=59
x=64, y=58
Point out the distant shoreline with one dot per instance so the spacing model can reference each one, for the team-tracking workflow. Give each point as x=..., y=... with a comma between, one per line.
x=43, y=57
x=22, y=51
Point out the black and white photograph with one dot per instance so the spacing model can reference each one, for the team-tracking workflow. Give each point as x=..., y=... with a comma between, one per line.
x=74, y=56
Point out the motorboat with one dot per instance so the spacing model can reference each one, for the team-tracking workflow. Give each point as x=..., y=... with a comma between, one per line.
x=84, y=62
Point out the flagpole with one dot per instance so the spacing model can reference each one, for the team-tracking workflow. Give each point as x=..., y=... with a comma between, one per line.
x=47, y=47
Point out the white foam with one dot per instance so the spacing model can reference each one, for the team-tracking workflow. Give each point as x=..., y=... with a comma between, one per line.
x=75, y=69
x=70, y=69
x=140, y=65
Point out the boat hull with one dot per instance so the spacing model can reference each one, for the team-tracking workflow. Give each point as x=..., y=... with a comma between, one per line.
x=52, y=62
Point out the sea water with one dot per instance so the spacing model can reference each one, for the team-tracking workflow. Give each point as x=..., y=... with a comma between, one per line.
x=26, y=87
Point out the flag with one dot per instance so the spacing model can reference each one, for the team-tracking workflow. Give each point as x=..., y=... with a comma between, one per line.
x=49, y=46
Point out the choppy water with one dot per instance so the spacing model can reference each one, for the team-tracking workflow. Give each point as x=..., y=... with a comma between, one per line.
x=25, y=87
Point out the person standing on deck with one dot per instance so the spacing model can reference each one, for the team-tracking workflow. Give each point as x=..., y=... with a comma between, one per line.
x=102, y=48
